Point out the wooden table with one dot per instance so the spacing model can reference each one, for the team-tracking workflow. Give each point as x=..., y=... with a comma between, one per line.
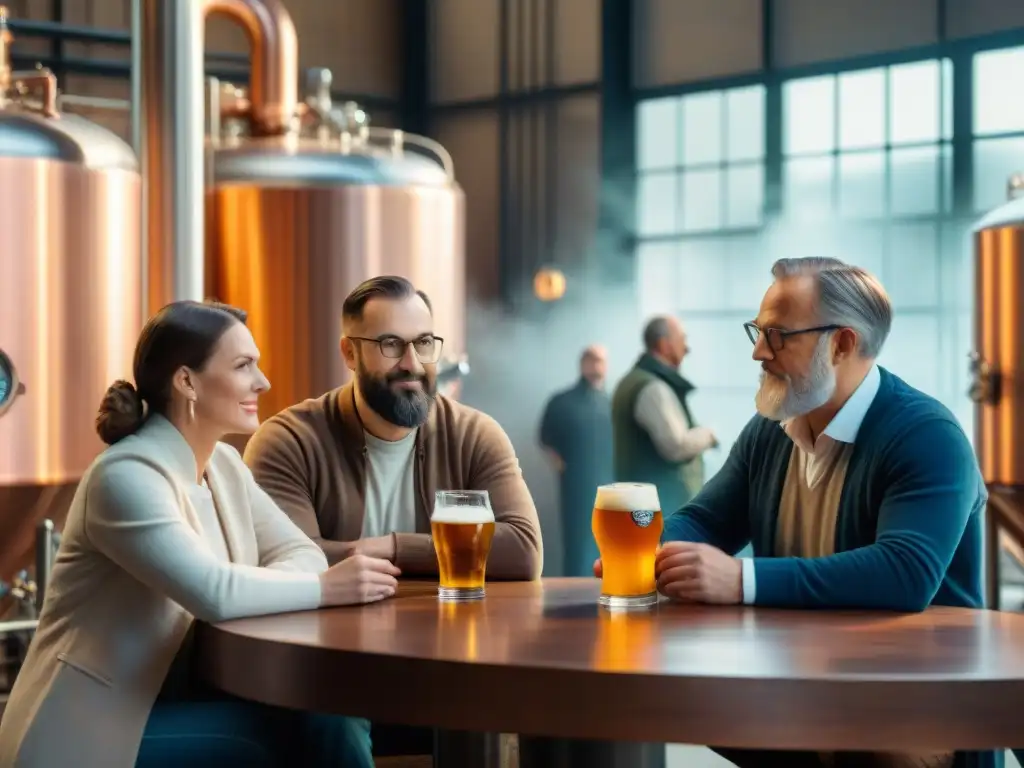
x=542, y=659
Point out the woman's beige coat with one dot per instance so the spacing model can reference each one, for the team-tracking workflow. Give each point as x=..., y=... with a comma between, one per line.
x=132, y=574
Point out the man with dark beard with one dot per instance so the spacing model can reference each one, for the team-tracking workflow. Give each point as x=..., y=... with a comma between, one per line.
x=855, y=489
x=357, y=468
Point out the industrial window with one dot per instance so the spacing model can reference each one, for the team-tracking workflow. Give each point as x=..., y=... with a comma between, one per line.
x=998, y=124
x=873, y=143
x=701, y=162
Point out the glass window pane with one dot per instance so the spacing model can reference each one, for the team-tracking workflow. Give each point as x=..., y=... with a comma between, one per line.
x=744, y=185
x=947, y=99
x=656, y=202
x=721, y=355
x=657, y=134
x=913, y=352
x=807, y=187
x=702, y=200
x=859, y=244
x=914, y=95
x=750, y=264
x=657, y=266
x=700, y=281
x=862, y=184
x=809, y=120
x=995, y=160
x=912, y=265
x=726, y=412
x=958, y=264
x=921, y=180
x=997, y=79
x=702, y=128
x=744, y=114
x=862, y=109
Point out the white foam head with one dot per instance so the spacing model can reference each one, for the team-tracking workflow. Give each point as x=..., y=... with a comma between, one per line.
x=627, y=497
x=462, y=515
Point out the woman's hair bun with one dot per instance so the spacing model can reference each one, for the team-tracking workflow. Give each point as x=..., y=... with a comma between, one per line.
x=121, y=412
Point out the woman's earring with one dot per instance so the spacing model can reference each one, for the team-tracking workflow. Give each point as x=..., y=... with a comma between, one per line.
x=191, y=410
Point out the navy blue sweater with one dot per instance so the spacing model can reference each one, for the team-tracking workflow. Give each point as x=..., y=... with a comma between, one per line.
x=908, y=531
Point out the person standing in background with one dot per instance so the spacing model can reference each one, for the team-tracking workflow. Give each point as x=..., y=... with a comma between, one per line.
x=656, y=438
x=576, y=433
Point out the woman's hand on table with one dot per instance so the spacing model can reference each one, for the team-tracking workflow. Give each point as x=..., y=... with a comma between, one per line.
x=358, y=579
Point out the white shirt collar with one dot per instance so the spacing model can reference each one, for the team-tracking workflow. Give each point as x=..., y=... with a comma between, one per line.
x=846, y=423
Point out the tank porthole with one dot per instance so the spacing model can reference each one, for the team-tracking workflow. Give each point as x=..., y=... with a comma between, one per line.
x=10, y=387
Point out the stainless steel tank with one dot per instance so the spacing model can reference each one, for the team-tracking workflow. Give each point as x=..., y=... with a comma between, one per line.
x=70, y=295
x=296, y=221
x=996, y=362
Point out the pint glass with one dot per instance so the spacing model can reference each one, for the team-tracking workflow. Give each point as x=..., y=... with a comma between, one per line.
x=627, y=527
x=462, y=527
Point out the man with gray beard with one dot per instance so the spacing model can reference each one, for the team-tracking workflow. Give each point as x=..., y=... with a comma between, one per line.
x=357, y=468
x=855, y=489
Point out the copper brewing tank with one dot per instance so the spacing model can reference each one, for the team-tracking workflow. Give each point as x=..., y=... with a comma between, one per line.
x=70, y=295
x=294, y=223
x=302, y=201
x=996, y=362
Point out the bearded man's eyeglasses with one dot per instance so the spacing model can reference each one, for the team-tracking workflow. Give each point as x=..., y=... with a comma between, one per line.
x=427, y=347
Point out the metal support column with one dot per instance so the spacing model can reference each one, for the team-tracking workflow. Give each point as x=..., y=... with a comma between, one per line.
x=617, y=215
x=415, y=84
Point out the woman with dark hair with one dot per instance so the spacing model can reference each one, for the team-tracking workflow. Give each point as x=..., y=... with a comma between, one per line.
x=169, y=526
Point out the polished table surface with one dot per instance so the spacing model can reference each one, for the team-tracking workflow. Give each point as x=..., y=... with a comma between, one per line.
x=542, y=658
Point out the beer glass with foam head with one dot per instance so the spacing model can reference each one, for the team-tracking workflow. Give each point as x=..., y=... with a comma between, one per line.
x=462, y=527
x=627, y=527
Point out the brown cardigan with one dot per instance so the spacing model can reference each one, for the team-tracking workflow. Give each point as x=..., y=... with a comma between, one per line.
x=311, y=459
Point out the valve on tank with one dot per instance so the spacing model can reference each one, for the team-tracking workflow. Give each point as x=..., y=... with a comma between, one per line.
x=29, y=91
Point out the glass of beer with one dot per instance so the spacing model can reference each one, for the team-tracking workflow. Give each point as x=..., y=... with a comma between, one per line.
x=462, y=527
x=627, y=527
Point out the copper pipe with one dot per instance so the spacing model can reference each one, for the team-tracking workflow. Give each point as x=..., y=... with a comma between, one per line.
x=44, y=83
x=168, y=122
x=41, y=81
x=6, y=38
x=274, y=83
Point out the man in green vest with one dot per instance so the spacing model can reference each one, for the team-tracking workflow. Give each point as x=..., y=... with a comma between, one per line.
x=656, y=437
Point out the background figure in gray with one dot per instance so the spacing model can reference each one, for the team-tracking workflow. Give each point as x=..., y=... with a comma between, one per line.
x=657, y=439
x=576, y=433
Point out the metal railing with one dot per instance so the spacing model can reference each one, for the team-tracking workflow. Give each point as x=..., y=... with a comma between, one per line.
x=230, y=67
x=16, y=634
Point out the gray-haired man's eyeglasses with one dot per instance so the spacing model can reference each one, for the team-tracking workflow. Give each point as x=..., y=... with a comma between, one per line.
x=427, y=348
x=776, y=337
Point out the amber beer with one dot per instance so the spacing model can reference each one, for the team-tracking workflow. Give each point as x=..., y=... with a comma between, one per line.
x=627, y=527
x=462, y=527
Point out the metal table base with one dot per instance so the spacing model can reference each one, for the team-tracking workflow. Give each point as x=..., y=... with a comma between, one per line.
x=543, y=752
x=463, y=749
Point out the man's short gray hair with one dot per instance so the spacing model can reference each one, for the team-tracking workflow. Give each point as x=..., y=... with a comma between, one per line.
x=848, y=296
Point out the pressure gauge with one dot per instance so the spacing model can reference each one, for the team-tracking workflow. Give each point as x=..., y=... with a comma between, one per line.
x=10, y=387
